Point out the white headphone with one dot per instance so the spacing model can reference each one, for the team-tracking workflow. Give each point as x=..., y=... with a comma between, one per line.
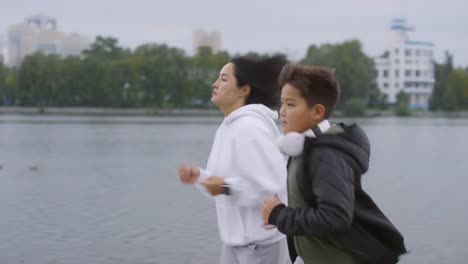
x=292, y=143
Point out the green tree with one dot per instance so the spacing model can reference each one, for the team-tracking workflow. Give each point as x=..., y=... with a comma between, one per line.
x=354, y=70
x=101, y=69
x=8, y=84
x=124, y=80
x=354, y=107
x=441, y=73
x=402, y=106
x=455, y=96
x=38, y=80
x=105, y=48
x=71, y=82
x=163, y=75
x=3, y=76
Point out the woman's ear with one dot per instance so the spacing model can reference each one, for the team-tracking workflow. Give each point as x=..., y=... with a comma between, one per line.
x=246, y=90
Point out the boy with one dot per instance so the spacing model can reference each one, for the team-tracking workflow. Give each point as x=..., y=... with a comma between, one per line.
x=329, y=217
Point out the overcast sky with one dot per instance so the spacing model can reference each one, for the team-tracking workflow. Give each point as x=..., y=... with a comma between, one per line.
x=288, y=26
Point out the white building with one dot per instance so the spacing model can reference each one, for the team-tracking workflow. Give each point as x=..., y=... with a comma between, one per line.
x=39, y=33
x=407, y=66
x=201, y=38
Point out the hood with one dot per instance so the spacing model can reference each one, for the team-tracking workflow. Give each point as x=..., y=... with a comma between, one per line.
x=260, y=111
x=352, y=141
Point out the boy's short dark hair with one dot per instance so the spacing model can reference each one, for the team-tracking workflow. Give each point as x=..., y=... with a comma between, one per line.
x=317, y=85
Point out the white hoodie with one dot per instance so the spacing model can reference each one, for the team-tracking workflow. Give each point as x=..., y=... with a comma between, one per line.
x=245, y=153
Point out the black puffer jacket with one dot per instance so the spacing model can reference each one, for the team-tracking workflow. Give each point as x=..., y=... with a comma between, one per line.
x=329, y=177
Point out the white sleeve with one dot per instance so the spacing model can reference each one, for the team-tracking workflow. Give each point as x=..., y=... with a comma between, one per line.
x=203, y=175
x=258, y=169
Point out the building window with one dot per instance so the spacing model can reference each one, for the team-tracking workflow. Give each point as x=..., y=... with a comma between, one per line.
x=408, y=52
x=397, y=51
x=397, y=73
x=385, y=85
x=417, y=73
x=397, y=61
x=408, y=73
x=397, y=85
x=385, y=73
x=417, y=53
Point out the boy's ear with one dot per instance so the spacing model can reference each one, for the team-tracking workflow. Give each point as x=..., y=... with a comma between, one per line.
x=318, y=112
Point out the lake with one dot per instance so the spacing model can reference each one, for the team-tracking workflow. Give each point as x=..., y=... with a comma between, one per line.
x=105, y=189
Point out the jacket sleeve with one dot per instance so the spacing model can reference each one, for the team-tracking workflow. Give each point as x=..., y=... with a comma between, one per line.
x=204, y=173
x=333, y=187
x=258, y=168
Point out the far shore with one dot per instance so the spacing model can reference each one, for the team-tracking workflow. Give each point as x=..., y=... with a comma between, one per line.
x=184, y=112
x=110, y=111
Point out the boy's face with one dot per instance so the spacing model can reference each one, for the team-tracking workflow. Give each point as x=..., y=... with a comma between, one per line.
x=295, y=114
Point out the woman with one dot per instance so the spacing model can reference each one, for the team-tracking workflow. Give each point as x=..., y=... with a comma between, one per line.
x=245, y=164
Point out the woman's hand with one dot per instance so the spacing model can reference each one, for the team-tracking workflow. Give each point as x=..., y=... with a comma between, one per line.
x=188, y=174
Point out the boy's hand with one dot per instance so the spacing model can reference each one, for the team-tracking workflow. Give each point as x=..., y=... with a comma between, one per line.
x=268, y=205
x=214, y=185
x=188, y=174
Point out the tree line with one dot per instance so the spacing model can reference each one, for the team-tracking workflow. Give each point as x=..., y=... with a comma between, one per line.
x=451, y=87
x=156, y=75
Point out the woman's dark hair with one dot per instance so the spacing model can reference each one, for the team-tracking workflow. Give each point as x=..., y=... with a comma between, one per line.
x=317, y=85
x=262, y=76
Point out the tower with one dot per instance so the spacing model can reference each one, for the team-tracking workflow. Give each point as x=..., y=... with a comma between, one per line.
x=42, y=22
x=201, y=38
